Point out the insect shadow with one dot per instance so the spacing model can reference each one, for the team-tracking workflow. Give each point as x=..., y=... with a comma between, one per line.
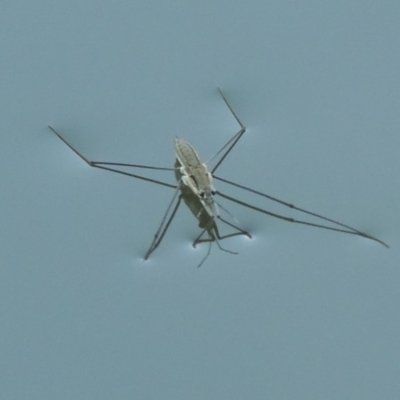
x=195, y=187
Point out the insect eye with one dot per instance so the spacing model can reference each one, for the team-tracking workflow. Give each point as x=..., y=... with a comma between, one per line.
x=213, y=192
x=201, y=194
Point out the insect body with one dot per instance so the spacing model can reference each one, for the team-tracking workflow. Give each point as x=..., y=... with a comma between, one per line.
x=195, y=187
x=197, y=191
x=196, y=176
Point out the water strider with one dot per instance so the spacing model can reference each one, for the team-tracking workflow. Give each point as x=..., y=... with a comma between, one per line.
x=195, y=187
